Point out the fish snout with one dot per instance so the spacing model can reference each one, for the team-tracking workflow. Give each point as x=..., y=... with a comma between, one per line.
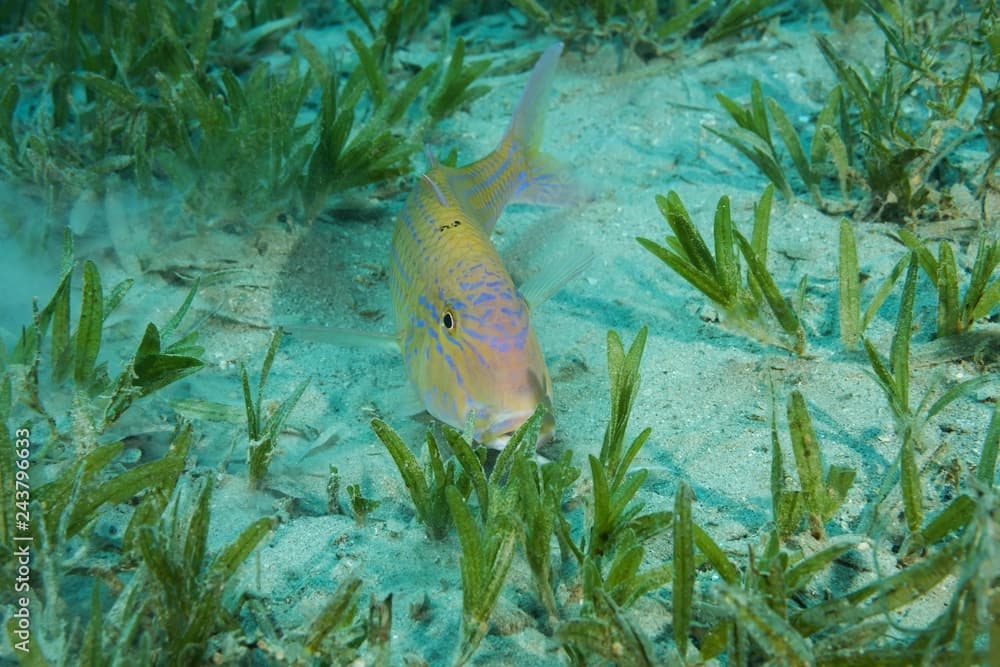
x=499, y=432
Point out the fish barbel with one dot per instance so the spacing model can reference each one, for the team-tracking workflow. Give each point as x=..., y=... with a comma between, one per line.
x=464, y=328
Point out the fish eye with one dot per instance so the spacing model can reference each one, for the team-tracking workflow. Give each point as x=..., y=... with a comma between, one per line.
x=448, y=320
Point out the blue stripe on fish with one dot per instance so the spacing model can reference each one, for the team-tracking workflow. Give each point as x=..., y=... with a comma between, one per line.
x=483, y=297
x=499, y=172
x=454, y=368
x=426, y=303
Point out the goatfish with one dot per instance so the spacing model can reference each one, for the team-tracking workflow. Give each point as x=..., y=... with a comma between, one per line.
x=464, y=328
x=462, y=325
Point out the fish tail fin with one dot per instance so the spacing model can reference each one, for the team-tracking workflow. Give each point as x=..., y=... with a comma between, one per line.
x=541, y=178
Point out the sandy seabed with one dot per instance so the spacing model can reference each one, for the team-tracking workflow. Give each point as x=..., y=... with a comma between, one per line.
x=632, y=130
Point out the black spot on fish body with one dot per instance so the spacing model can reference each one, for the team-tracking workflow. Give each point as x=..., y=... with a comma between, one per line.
x=452, y=225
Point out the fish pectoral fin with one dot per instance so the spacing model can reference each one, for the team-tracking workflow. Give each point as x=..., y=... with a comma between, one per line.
x=405, y=401
x=345, y=337
x=543, y=285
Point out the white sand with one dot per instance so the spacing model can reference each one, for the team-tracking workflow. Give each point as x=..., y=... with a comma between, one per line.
x=635, y=133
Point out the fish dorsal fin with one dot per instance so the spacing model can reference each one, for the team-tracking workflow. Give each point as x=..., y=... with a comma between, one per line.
x=543, y=285
x=435, y=189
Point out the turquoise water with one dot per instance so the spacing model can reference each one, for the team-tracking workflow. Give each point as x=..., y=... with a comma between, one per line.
x=173, y=168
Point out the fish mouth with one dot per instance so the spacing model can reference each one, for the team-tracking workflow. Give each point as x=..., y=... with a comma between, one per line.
x=499, y=433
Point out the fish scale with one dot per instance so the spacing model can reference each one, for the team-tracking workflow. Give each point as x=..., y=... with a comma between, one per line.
x=464, y=328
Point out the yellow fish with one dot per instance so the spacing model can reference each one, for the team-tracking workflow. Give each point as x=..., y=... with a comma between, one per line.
x=462, y=325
